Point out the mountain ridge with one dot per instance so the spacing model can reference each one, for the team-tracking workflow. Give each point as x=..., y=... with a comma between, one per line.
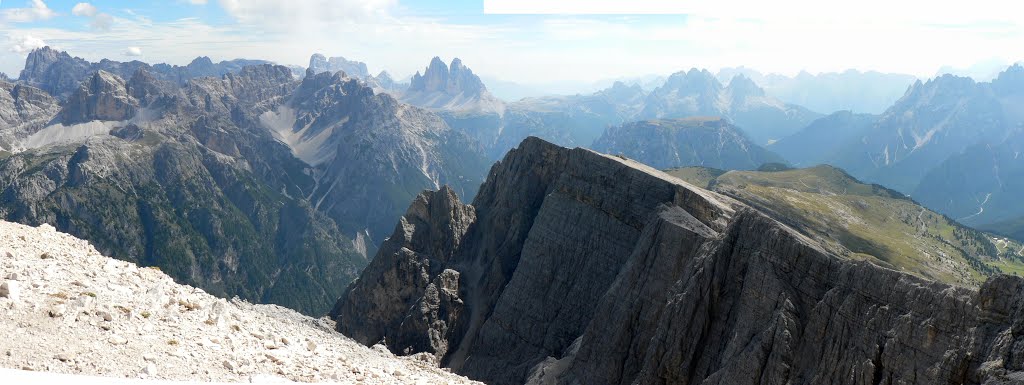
x=656, y=281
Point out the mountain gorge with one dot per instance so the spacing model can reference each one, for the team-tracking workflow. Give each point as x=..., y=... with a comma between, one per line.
x=575, y=267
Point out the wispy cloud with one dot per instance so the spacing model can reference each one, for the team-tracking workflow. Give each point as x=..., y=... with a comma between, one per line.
x=906, y=37
x=34, y=10
x=21, y=44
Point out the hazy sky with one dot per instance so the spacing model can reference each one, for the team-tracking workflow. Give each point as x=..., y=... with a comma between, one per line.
x=785, y=36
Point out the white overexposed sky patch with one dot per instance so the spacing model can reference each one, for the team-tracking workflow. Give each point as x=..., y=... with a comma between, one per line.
x=538, y=42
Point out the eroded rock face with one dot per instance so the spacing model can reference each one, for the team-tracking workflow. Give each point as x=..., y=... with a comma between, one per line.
x=104, y=96
x=24, y=110
x=576, y=267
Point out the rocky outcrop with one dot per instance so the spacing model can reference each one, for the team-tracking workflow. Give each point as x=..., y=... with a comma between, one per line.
x=450, y=88
x=663, y=144
x=319, y=63
x=453, y=80
x=104, y=96
x=578, y=267
x=23, y=111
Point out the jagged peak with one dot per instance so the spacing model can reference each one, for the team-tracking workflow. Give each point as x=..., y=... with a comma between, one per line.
x=276, y=71
x=436, y=62
x=202, y=61
x=453, y=80
x=457, y=63
x=742, y=86
x=1010, y=80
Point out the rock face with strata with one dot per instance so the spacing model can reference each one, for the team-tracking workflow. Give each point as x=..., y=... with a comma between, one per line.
x=573, y=267
x=104, y=96
x=23, y=111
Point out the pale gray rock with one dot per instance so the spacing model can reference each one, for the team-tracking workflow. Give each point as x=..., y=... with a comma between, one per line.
x=583, y=268
x=24, y=110
x=60, y=74
x=104, y=96
x=319, y=63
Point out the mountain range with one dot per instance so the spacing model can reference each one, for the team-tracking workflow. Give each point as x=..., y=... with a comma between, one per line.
x=248, y=183
x=851, y=90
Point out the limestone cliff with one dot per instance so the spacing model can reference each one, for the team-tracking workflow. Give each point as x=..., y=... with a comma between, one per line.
x=573, y=267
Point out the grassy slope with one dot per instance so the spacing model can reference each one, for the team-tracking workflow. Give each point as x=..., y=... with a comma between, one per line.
x=869, y=222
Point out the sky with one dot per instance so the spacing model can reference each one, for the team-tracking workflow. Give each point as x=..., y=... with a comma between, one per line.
x=530, y=41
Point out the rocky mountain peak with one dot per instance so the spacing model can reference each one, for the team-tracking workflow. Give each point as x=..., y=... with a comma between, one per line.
x=317, y=62
x=320, y=63
x=260, y=82
x=452, y=80
x=693, y=81
x=201, y=64
x=40, y=59
x=145, y=87
x=104, y=96
x=945, y=87
x=742, y=87
x=53, y=71
x=1010, y=81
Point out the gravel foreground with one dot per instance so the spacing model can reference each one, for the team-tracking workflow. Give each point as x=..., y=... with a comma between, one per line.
x=66, y=309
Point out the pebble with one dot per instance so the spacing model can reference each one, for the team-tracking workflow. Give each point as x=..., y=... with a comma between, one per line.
x=10, y=289
x=117, y=340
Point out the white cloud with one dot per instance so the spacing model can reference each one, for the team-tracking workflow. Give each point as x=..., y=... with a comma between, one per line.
x=102, y=22
x=84, y=9
x=290, y=14
x=542, y=49
x=197, y=2
x=97, y=20
x=133, y=51
x=36, y=10
x=22, y=44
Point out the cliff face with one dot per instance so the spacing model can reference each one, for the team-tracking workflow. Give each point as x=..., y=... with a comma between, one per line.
x=576, y=267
